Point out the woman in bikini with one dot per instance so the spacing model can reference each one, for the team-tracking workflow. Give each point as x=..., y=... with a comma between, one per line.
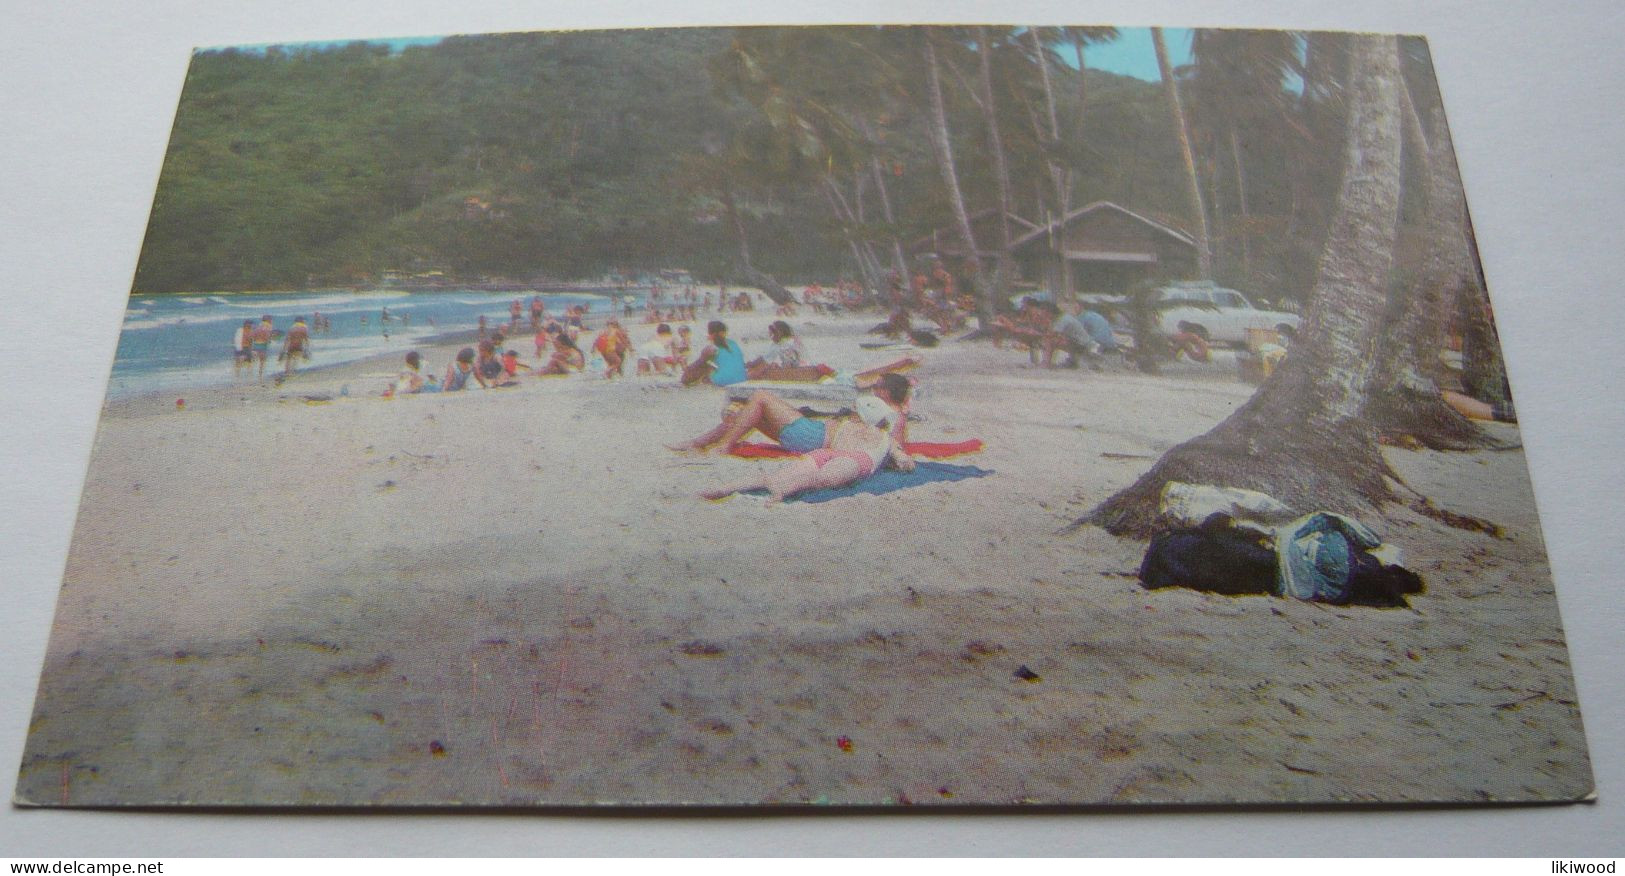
x=784, y=423
x=858, y=446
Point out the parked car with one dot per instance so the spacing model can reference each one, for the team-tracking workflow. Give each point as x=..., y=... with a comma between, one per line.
x=1218, y=314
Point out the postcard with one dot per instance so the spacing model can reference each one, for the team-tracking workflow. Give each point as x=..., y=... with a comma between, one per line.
x=801, y=416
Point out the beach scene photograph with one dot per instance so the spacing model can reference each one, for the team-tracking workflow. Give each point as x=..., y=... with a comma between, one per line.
x=805, y=416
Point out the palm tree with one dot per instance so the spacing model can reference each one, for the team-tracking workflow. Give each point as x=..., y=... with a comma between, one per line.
x=1406, y=401
x=1062, y=178
x=1302, y=437
x=942, y=146
x=1204, y=249
x=1001, y=168
x=810, y=127
x=1239, y=84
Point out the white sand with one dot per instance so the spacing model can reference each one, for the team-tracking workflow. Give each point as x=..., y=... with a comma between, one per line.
x=514, y=597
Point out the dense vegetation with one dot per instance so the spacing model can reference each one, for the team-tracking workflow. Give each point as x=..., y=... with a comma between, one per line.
x=799, y=152
x=563, y=155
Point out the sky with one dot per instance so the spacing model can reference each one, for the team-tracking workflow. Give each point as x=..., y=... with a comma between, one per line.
x=396, y=44
x=1128, y=55
x=1131, y=53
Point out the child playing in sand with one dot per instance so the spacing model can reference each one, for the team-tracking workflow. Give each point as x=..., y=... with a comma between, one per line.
x=511, y=366
x=411, y=380
x=458, y=372
x=488, y=368
x=858, y=446
x=681, y=346
x=655, y=356
x=613, y=343
x=566, y=356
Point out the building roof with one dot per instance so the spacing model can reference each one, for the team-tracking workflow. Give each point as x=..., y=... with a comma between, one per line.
x=1073, y=216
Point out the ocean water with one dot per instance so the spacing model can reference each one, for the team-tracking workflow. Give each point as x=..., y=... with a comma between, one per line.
x=176, y=342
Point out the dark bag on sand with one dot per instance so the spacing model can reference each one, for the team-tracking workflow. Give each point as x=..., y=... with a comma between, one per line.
x=1381, y=586
x=1214, y=557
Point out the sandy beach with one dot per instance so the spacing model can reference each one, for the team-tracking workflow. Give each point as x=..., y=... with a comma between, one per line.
x=309, y=594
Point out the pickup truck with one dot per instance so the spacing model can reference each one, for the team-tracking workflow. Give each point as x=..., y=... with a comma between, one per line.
x=1218, y=314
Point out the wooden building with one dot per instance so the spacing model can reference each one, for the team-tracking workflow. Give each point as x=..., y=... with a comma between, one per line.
x=1103, y=248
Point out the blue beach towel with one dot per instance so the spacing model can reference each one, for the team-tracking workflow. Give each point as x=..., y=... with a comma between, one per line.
x=890, y=480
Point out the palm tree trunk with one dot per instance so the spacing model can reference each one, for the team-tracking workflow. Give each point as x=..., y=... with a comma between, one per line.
x=848, y=222
x=1241, y=198
x=943, y=147
x=1001, y=170
x=1060, y=178
x=877, y=172
x=1170, y=88
x=899, y=263
x=770, y=287
x=1083, y=84
x=1406, y=401
x=1302, y=437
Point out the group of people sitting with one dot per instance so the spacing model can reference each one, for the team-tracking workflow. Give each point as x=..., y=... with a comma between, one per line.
x=721, y=363
x=478, y=366
x=1040, y=326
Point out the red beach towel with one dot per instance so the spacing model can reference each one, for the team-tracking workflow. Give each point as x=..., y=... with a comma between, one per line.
x=927, y=449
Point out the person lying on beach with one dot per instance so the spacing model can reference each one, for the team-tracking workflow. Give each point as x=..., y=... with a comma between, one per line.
x=566, y=356
x=858, y=446
x=722, y=363
x=1473, y=409
x=783, y=422
x=458, y=372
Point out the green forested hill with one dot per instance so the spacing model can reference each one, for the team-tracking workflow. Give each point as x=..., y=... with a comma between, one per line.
x=566, y=155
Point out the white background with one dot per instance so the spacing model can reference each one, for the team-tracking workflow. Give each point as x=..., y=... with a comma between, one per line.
x=1533, y=91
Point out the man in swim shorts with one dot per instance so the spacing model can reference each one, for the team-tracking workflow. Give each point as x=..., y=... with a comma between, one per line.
x=295, y=345
x=783, y=422
x=858, y=446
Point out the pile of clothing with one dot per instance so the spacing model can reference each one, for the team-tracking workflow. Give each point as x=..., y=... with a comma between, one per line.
x=1232, y=541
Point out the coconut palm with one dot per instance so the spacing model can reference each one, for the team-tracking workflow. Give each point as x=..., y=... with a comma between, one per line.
x=1302, y=437
x=1170, y=87
x=942, y=147
x=1238, y=92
